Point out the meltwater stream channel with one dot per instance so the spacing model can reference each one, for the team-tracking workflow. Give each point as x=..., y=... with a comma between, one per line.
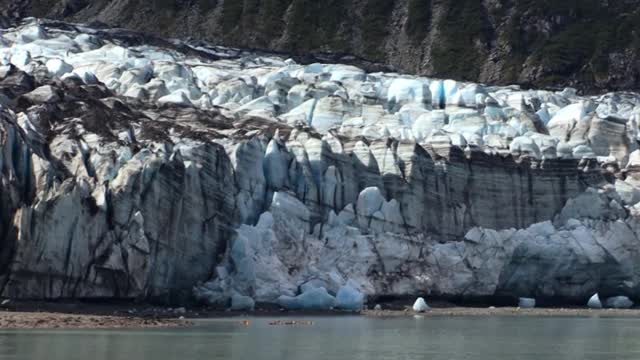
x=348, y=338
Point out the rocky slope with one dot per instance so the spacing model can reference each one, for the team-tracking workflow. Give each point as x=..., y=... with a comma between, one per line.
x=589, y=44
x=136, y=167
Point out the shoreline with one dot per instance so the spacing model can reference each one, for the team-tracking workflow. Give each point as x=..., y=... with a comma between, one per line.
x=48, y=320
x=43, y=315
x=506, y=311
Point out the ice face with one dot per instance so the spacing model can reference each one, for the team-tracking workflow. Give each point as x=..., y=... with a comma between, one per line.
x=288, y=178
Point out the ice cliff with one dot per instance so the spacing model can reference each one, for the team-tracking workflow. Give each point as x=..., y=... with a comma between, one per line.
x=136, y=167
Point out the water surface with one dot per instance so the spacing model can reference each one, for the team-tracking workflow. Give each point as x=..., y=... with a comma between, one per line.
x=349, y=338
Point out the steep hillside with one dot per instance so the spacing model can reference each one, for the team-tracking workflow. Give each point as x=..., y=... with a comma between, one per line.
x=589, y=44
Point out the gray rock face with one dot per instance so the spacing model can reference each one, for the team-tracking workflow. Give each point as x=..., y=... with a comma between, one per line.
x=108, y=192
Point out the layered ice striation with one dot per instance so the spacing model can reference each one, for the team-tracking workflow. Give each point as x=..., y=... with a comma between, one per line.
x=138, y=167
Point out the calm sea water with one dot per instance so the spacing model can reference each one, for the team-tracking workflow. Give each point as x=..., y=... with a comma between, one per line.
x=352, y=338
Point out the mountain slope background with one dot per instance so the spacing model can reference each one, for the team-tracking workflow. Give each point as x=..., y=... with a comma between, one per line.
x=593, y=45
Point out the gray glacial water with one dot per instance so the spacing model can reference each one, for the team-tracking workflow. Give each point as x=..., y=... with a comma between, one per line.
x=351, y=338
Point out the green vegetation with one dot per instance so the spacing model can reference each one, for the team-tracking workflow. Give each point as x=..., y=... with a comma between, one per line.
x=42, y=8
x=592, y=32
x=164, y=12
x=251, y=14
x=239, y=18
x=419, y=20
x=316, y=25
x=273, y=19
x=571, y=8
x=375, y=27
x=170, y=5
x=231, y=15
x=585, y=32
x=207, y=5
x=455, y=53
x=517, y=38
x=563, y=52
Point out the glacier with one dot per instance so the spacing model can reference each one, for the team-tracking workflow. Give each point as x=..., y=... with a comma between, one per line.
x=134, y=167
